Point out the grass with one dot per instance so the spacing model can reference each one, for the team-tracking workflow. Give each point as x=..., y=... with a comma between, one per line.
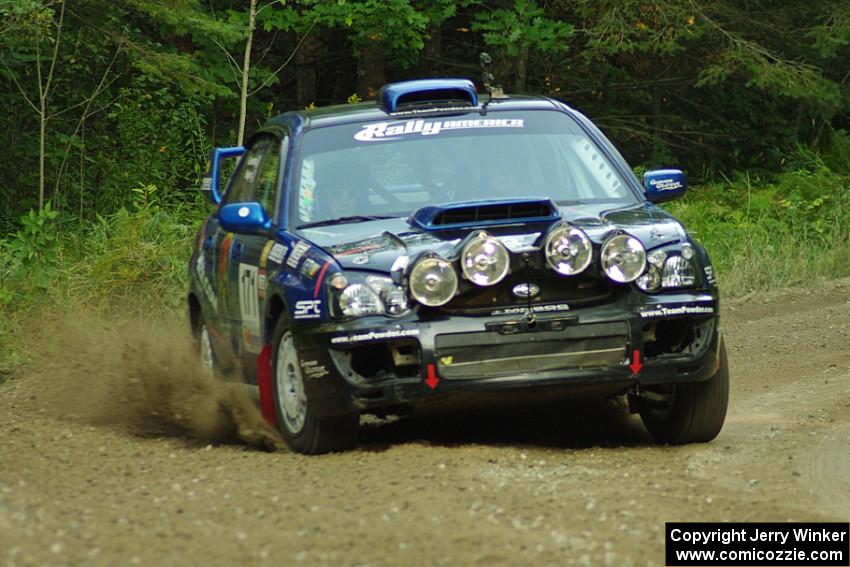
x=762, y=236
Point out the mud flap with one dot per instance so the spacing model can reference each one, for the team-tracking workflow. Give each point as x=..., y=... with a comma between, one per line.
x=264, y=385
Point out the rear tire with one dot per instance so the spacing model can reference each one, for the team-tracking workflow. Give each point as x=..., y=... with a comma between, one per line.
x=690, y=412
x=304, y=431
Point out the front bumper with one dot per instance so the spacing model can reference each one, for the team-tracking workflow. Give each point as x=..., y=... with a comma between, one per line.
x=375, y=364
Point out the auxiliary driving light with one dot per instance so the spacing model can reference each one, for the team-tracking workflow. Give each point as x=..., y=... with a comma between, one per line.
x=433, y=281
x=568, y=250
x=485, y=260
x=623, y=258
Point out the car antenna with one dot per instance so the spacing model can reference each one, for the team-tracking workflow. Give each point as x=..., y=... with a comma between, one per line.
x=495, y=91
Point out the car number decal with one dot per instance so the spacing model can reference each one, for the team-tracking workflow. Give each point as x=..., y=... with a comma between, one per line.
x=249, y=306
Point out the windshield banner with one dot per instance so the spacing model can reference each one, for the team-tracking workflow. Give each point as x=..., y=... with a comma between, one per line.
x=395, y=130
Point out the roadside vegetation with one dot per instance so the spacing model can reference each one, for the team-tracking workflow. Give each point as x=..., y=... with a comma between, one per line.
x=111, y=110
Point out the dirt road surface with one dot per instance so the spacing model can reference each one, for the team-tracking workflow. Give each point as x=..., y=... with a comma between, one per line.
x=583, y=486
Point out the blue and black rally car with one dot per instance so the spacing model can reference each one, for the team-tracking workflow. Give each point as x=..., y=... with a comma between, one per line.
x=436, y=246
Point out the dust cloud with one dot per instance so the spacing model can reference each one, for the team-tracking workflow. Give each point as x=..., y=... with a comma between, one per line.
x=143, y=375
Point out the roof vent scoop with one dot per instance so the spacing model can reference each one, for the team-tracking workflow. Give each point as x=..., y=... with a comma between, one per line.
x=396, y=97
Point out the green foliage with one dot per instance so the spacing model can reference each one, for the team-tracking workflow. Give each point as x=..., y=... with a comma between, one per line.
x=29, y=260
x=523, y=25
x=761, y=235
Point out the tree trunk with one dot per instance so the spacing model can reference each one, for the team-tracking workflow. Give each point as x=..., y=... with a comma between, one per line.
x=246, y=66
x=433, y=51
x=371, y=74
x=521, y=69
x=306, y=75
x=42, y=132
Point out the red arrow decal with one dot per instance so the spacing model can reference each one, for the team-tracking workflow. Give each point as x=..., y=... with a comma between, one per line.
x=636, y=364
x=432, y=380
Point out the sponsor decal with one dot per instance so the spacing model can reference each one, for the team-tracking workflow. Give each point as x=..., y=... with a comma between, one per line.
x=671, y=310
x=307, y=309
x=665, y=184
x=297, y=253
x=249, y=306
x=309, y=268
x=710, y=276
x=224, y=254
x=206, y=287
x=264, y=255
x=374, y=336
x=223, y=263
x=360, y=260
x=447, y=360
x=312, y=369
x=534, y=309
x=277, y=253
x=397, y=130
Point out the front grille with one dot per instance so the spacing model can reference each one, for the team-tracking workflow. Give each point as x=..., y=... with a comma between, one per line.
x=464, y=356
x=574, y=291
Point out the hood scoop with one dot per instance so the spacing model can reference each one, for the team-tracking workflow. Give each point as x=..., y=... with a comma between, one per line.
x=475, y=214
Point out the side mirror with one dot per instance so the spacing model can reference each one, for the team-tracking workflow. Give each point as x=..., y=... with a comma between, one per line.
x=664, y=185
x=211, y=179
x=244, y=218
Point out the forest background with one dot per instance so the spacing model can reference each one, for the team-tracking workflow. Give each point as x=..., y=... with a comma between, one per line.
x=111, y=108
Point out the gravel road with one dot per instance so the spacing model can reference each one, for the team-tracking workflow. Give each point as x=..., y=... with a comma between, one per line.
x=92, y=474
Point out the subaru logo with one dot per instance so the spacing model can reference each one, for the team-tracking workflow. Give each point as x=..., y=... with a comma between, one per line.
x=526, y=290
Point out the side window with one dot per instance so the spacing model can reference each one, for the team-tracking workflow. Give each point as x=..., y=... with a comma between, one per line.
x=256, y=178
x=266, y=191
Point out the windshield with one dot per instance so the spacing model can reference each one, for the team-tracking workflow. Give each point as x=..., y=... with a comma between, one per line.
x=357, y=172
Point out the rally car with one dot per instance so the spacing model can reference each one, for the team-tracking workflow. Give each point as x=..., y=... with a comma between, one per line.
x=440, y=246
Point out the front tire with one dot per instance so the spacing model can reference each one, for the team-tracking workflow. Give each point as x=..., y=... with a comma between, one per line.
x=303, y=431
x=690, y=412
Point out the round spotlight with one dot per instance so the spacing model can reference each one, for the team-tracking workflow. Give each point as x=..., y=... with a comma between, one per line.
x=433, y=281
x=623, y=258
x=568, y=250
x=484, y=260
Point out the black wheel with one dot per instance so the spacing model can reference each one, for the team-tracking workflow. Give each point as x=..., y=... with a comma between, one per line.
x=691, y=412
x=303, y=431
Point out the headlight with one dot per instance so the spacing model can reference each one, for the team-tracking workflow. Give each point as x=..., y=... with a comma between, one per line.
x=358, y=300
x=485, y=260
x=623, y=258
x=568, y=250
x=678, y=272
x=433, y=281
x=372, y=295
x=392, y=296
x=651, y=278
